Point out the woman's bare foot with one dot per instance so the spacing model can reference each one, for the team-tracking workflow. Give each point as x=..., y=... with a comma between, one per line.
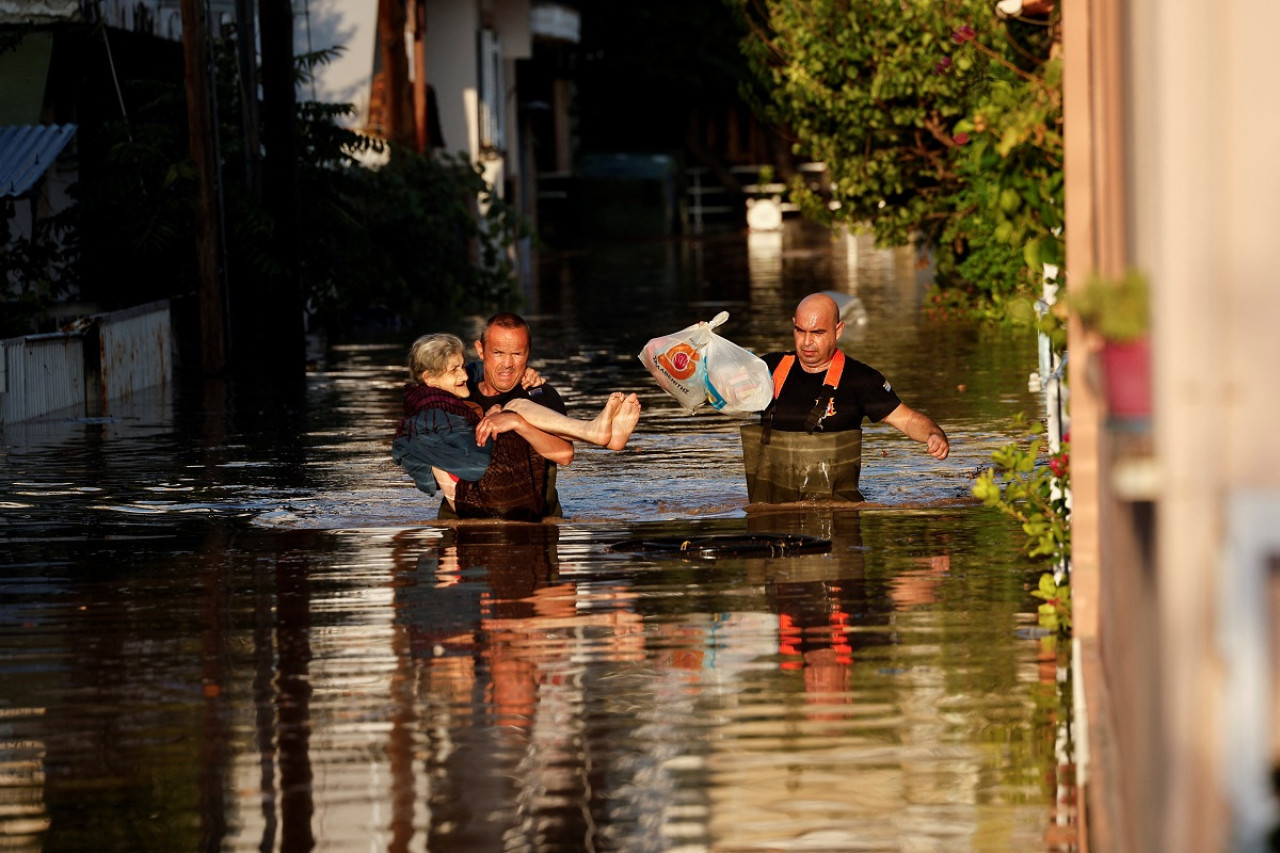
x=625, y=422
x=600, y=430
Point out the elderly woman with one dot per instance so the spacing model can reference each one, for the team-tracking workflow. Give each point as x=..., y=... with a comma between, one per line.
x=485, y=463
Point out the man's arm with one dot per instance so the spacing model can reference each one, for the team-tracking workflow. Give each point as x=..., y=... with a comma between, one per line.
x=920, y=427
x=553, y=448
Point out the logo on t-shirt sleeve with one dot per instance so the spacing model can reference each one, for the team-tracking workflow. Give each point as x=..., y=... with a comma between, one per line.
x=887, y=387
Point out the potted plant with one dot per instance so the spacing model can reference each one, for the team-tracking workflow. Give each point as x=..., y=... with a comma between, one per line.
x=1118, y=311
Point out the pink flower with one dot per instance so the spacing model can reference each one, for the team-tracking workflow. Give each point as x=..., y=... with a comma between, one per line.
x=1060, y=463
x=963, y=34
x=943, y=66
x=960, y=138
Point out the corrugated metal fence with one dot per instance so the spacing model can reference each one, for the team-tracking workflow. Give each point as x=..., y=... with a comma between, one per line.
x=81, y=371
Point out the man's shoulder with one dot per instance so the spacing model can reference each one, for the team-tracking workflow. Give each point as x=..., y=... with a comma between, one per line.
x=866, y=381
x=544, y=388
x=545, y=395
x=859, y=370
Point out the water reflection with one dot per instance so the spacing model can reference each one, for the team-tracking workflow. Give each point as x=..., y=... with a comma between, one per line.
x=232, y=624
x=497, y=659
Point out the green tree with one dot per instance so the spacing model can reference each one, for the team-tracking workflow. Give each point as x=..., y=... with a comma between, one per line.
x=939, y=124
x=417, y=240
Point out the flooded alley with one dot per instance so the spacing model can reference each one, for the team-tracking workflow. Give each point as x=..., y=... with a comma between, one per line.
x=233, y=624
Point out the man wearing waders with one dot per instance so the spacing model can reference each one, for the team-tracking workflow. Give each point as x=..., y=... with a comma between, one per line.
x=808, y=444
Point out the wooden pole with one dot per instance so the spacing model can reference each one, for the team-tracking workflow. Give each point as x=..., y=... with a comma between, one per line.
x=392, y=18
x=213, y=344
x=280, y=335
x=247, y=56
x=418, y=10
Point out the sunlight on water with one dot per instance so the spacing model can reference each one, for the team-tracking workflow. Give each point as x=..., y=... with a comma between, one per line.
x=235, y=625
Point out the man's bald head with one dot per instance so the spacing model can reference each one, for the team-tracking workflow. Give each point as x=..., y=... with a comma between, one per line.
x=817, y=328
x=821, y=303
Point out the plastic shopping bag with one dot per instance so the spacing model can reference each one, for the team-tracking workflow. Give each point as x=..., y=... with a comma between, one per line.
x=674, y=360
x=738, y=382
x=696, y=366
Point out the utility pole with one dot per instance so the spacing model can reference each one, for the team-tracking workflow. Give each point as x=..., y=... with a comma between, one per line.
x=280, y=335
x=213, y=341
x=418, y=12
x=247, y=58
x=392, y=18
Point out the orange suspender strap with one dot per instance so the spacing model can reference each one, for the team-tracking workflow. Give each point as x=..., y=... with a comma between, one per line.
x=780, y=374
x=834, y=371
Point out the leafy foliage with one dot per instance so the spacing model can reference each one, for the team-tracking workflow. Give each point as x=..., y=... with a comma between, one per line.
x=1036, y=493
x=938, y=124
x=1117, y=309
x=36, y=268
x=1055, y=613
x=137, y=204
x=1032, y=492
x=418, y=239
x=420, y=248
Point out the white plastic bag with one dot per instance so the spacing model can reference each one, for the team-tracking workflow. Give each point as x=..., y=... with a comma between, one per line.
x=738, y=382
x=674, y=360
x=696, y=366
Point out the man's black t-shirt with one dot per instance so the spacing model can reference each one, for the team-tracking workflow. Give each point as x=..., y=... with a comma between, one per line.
x=863, y=392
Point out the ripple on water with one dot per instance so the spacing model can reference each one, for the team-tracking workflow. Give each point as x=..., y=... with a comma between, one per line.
x=258, y=607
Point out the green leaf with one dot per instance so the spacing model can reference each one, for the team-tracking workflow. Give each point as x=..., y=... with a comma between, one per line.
x=1031, y=253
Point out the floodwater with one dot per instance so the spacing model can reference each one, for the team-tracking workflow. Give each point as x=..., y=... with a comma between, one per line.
x=233, y=624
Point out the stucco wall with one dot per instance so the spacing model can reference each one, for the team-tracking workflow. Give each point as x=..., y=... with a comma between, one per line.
x=1171, y=123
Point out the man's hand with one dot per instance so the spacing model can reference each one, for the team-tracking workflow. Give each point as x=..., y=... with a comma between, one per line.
x=532, y=379
x=496, y=422
x=920, y=428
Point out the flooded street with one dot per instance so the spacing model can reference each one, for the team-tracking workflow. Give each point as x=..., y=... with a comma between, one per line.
x=234, y=625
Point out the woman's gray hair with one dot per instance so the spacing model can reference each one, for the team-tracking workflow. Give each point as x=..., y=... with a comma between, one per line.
x=431, y=353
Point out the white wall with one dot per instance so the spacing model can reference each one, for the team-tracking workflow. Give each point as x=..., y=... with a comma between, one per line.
x=452, y=62
x=452, y=71
x=1205, y=208
x=352, y=24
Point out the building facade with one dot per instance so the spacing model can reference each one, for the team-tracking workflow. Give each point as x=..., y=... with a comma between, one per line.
x=1176, y=528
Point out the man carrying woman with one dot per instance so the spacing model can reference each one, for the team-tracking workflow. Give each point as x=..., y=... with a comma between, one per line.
x=489, y=464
